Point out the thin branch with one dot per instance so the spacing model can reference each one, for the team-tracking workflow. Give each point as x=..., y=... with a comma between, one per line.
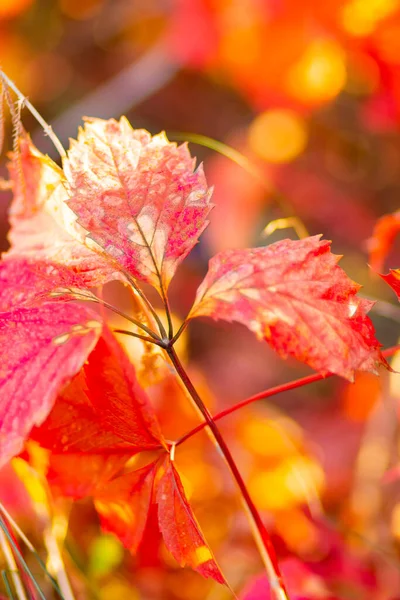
x=148, y=304
x=20, y=558
x=140, y=337
x=259, y=531
x=274, y=391
x=12, y=566
x=24, y=101
x=95, y=299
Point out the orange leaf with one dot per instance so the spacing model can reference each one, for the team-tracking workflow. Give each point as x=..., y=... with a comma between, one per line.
x=380, y=244
x=124, y=504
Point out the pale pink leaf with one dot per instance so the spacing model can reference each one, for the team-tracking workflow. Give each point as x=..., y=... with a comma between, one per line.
x=43, y=227
x=137, y=196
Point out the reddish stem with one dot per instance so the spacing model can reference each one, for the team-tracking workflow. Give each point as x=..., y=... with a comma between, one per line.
x=262, y=534
x=279, y=389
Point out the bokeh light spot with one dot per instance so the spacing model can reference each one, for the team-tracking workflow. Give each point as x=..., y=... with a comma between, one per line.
x=320, y=73
x=278, y=135
x=360, y=17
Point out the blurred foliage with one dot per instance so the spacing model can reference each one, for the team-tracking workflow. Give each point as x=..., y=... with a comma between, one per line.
x=309, y=94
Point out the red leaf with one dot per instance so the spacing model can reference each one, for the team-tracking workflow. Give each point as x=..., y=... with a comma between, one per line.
x=393, y=279
x=103, y=409
x=124, y=504
x=43, y=227
x=100, y=420
x=293, y=294
x=35, y=342
x=138, y=197
x=179, y=527
x=78, y=475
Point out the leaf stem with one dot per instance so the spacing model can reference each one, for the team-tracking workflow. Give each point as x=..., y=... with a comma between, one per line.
x=92, y=298
x=279, y=389
x=259, y=531
x=140, y=337
x=179, y=332
x=149, y=305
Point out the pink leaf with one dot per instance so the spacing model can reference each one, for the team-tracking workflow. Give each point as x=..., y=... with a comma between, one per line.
x=294, y=295
x=25, y=281
x=137, y=196
x=35, y=342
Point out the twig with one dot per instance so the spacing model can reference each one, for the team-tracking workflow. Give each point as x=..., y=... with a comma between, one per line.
x=10, y=560
x=260, y=533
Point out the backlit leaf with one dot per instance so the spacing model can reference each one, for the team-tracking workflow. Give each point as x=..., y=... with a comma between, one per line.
x=99, y=421
x=179, y=527
x=103, y=408
x=137, y=196
x=35, y=342
x=43, y=227
x=294, y=295
x=24, y=281
x=124, y=503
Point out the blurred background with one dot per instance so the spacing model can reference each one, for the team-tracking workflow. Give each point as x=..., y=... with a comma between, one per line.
x=308, y=94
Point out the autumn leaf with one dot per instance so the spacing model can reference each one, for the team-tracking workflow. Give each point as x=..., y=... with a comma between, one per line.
x=124, y=504
x=43, y=227
x=393, y=279
x=26, y=281
x=103, y=409
x=137, y=196
x=381, y=242
x=99, y=421
x=36, y=341
x=294, y=295
x=179, y=527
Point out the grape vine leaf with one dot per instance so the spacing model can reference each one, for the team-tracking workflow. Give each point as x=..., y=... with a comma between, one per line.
x=179, y=527
x=43, y=227
x=137, y=196
x=294, y=295
x=35, y=341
